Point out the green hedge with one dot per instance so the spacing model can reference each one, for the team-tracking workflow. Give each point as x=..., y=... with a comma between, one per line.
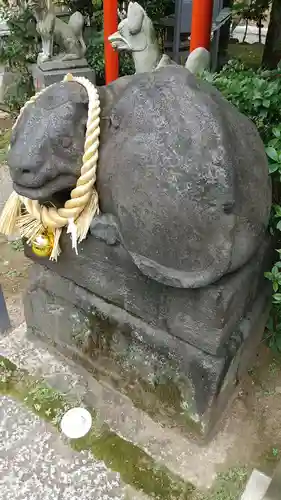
x=257, y=94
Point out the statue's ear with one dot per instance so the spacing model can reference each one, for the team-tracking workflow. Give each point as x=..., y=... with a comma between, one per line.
x=77, y=92
x=135, y=18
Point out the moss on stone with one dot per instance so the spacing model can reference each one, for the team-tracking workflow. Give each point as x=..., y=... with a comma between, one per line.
x=135, y=466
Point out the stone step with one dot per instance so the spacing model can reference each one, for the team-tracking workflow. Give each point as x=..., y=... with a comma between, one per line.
x=256, y=486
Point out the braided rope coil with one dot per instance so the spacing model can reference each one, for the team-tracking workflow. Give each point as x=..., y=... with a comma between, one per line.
x=84, y=191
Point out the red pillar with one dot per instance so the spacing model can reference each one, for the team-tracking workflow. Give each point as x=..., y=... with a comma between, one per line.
x=110, y=25
x=201, y=24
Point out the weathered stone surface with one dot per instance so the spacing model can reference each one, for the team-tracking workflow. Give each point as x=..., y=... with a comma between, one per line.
x=137, y=356
x=136, y=35
x=205, y=318
x=56, y=72
x=68, y=36
x=175, y=170
x=195, y=462
x=62, y=65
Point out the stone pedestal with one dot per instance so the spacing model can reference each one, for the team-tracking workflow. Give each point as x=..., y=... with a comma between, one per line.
x=6, y=79
x=177, y=353
x=53, y=71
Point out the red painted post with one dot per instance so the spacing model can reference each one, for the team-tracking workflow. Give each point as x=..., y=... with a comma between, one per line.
x=110, y=25
x=201, y=24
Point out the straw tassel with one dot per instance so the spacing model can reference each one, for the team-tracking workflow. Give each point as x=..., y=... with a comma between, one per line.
x=29, y=227
x=10, y=214
x=84, y=220
x=56, y=251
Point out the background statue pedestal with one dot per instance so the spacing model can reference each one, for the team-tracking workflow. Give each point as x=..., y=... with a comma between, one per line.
x=177, y=353
x=49, y=72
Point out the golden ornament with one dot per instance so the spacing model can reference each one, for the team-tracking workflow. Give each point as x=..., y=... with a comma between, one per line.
x=43, y=244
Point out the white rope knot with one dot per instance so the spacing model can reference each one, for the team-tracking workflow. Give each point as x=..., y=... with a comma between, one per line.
x=79, y=210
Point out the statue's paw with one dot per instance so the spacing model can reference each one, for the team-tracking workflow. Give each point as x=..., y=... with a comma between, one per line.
x=70, y=57
x=104, y=227
x=42, y=57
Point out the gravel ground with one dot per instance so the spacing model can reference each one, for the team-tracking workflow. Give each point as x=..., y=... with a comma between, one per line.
x=35, y=464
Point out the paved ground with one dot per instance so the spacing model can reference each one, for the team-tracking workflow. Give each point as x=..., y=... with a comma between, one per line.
x=35, y=464
x=245, y=440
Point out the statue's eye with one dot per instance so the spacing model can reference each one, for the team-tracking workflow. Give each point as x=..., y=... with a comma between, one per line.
x=66, y=142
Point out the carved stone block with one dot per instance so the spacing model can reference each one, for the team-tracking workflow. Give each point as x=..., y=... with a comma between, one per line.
x=54, y=71
x=179, y=353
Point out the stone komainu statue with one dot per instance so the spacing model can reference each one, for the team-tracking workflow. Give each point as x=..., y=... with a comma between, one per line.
x=171, y=278
x=68, y=36
x=181, y=171
x=137, y=36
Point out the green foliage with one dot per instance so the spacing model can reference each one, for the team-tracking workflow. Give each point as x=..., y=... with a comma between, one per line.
x=95, y=55
x=257, y=94
x=254, y=10
x=156, y=9
x=250, y=54
x=4, y=144
x=20, y=47
x=17, y=51
x=19, y=91
x=273, y=151
x=95, y=58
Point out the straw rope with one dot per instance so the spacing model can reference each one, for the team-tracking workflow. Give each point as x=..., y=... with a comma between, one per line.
x=79, y=210
x=79, y=197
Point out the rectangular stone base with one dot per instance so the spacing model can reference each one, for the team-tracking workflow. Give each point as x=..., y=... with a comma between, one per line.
x=166, y=376
x=53, y=73
x=204, y=317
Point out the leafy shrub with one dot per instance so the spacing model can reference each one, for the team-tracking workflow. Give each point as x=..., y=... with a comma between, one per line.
x=17, y=51
x=19, y=91
x=158, y=8
x=95, y=58
x=257, y=94
x=20, y=47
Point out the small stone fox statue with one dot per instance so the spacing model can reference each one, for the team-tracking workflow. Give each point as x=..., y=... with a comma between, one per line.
x=136, y=34
x=68, y=36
